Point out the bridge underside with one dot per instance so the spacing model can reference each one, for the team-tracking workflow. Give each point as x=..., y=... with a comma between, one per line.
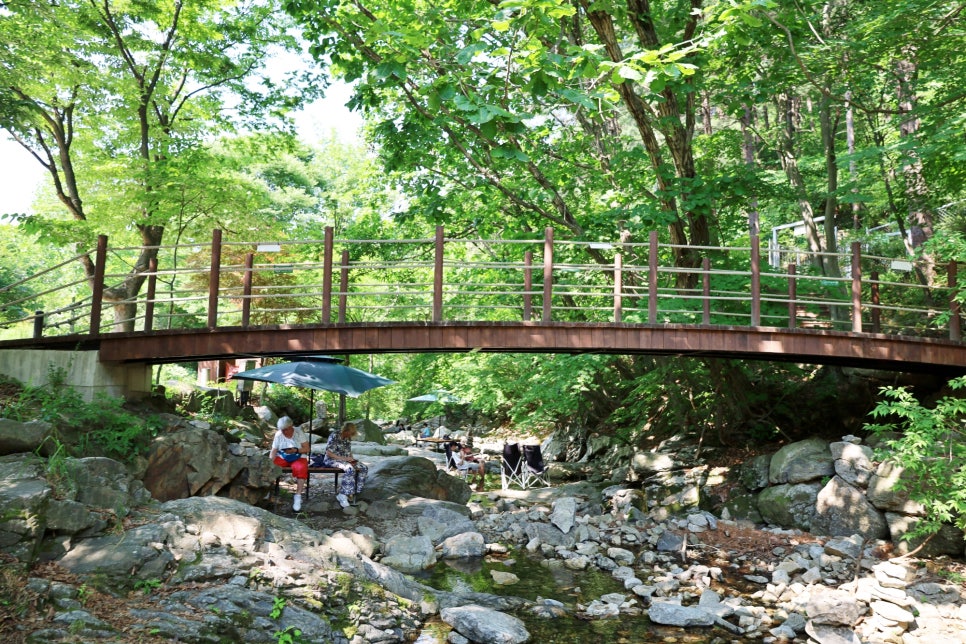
x=809, y=346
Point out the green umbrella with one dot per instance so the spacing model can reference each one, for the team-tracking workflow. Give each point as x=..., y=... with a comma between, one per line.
x=324, y=373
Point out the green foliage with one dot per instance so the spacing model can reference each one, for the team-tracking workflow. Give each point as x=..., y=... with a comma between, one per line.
x=930, y=445
x=147, y=586
x=101, y=427
x=278, y=605
x=291, y=635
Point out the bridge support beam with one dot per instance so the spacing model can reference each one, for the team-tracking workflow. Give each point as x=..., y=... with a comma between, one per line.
x=84, y=371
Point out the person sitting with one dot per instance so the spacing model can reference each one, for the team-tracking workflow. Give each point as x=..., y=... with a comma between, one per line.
x=338, y=453
x=465, y=461
x=287, y=448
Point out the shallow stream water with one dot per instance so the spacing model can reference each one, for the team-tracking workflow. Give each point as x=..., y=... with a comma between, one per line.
x=567, y=586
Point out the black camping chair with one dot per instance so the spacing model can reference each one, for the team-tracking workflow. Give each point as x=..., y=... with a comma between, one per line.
x=511, y=471
x=535, y=471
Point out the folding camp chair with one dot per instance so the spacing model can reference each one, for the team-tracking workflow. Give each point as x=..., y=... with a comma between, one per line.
x=534, y=471
x=511, y=471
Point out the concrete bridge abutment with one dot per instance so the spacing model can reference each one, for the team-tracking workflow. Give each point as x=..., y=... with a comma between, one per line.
x=84, y=372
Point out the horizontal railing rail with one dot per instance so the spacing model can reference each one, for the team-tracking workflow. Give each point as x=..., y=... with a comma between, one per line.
x=437, y=280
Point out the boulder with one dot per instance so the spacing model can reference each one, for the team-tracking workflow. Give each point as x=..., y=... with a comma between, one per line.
x=884, y=492
x=789, y=505
x=479, y=624
x=853, y=462
x=647, y=463
x=17, y=437
x=842, y=510
x=801, y=462
x=409, y=554
x=753, y=473
x=413, y=475
x=948, y=541
x=199, y=462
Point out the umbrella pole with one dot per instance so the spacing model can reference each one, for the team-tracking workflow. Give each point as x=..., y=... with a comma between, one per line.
x=311, y=415
x=341, y=409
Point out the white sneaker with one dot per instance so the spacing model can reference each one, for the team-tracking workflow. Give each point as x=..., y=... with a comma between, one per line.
x=297, y=503
x=342, y=499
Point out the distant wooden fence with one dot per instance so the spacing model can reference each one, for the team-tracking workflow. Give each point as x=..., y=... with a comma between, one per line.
x=244, y=284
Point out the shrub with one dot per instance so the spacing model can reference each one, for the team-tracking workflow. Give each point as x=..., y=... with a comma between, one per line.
x=928, y=443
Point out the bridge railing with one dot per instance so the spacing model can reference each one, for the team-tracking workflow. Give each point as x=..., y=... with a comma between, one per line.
x=440, y=279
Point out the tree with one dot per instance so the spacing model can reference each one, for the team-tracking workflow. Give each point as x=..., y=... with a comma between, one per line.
x=513, y=116
x=113, y=98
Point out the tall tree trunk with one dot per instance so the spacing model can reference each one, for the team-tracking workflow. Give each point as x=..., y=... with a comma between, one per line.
x=830, y=263
x=790, y=165
x=916, y=188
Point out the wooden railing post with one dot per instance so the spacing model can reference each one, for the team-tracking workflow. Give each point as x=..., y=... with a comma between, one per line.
x=527, y=285
x=618, y=287
x=652, y=278
x=755, y=281
x=328, y=247
x=152, y=289
x=215, y=278
x=792, y=295
x=876, y=313
x=38, y=325
x=343, y=286
x=856, y=287
x=247, y=290
x=97, y=292
x=955, y=321
x=547, y=272
x=706, y=290
x=438, y=277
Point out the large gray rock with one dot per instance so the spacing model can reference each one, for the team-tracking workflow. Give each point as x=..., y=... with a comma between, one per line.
x=550, y=535
x=416, y=476
x=674, y=614
x=195, y=461
x=104, y=483
x=369, y=432
x=742, y=506
x=801, y=462
x=23, y=506
x=834, y=607
x=17, y=437
x=853, y=462
x=790, y=506
x=564, y=513
x=647, y=463
x=88, y=496
x=843, y=510
x=753, y=473
x=479, y=624
x=461, y=546
x=122, y=558
x=948, y=541
x=409, y=554
x=884, y=492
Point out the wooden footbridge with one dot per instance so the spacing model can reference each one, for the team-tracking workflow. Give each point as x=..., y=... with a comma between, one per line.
x=226, y=299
